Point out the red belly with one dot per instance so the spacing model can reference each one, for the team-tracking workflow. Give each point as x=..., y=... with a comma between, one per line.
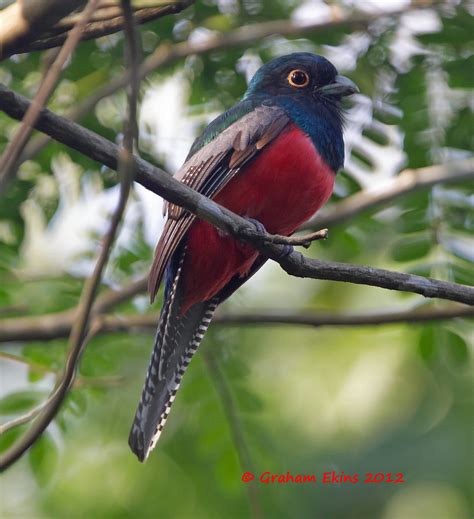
x=282, y=188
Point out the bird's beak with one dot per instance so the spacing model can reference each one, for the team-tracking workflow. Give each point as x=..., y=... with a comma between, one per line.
x=340, y=87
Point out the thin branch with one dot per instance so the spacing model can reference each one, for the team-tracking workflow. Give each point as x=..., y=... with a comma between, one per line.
x=364, y=319
x=107, y=11
x=132, y=59
x=28, y=416
x=80, y=332
x=229, y=408
x=8, y=161
x=45, y=411
x=78, y=382
x=13, y=309
x=21, y=22
x=117, y=323
x=304, y=240
x=97, y=148
x=35, y=411
x=56, y=326
x=111, y=298
x=99, y=28
x=33, y=366
x=407, y=181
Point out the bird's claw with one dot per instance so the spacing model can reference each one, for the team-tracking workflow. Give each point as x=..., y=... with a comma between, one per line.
x=259, y=227
x=286, y=251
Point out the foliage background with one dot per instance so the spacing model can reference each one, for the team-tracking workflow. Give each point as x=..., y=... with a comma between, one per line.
x=393, y=399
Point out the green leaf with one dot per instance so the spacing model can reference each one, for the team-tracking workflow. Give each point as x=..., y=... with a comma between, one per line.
x=43, y=459
x=76, y=403
x=8, y=438
x=463, y=274
x=427, y=343
x=455, y=349
x=411, y=248
x=20, y=401
x=412, y=221
x=460, y=72
x=424, y=270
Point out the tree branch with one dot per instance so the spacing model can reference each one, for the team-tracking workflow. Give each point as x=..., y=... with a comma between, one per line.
x=319, y=319
x=109, y=21
x=407, y=181
x=112, y=298
x=155, y=179
x=22, y=21
x=56, y=326
x=80, y=327
x=9, y=158
x=230, y=411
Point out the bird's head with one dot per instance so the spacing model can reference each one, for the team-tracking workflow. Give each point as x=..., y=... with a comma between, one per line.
x=300, y=74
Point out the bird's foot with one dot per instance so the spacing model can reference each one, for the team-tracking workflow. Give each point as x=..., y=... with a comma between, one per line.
x=286, y=250
x=259, y=227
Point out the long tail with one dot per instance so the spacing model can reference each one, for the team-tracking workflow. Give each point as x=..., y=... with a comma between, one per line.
x=176, y=341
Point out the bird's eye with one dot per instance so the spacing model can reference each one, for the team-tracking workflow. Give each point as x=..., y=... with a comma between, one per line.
x=298, y=78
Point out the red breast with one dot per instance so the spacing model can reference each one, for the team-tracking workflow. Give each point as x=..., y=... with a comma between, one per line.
x=282, y=188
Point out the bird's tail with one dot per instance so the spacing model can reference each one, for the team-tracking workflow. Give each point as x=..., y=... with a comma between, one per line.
x=177, y=339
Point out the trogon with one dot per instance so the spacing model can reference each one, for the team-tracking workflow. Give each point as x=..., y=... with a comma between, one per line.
x=271, y=158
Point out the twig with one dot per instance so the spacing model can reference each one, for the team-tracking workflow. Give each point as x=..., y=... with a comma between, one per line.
x=13, y=309
x=78, y=382
x=132, y=59
x=21, y=22
x=112, y=298
x=229, y=408
x=50, y=406
x=364, y=319
x=99, y=28
x=33, y=366
x=28, y=416
x=8, y=161
x=78, y=339
x=303, y=241
x=407, y=181
x=106, y=12
x=58, y=325
x=155, y=179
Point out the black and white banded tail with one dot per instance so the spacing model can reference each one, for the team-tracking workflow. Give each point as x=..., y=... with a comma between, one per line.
x=176, y=341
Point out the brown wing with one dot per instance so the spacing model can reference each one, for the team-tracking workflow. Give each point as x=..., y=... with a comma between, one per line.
x=209, y=170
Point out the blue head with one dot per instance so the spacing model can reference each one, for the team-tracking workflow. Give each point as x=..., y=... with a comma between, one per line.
x=309, y=88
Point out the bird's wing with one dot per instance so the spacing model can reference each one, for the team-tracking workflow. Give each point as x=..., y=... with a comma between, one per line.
x=210, y=169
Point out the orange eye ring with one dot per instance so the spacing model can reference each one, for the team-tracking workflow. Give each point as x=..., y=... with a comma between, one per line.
x=298, y=78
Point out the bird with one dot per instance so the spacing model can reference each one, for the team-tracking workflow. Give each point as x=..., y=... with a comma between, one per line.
x=271, y=158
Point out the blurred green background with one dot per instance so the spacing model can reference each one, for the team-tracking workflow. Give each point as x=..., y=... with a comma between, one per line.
x=389, y=399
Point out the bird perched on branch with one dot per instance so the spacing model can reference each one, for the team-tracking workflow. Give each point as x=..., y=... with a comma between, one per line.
x=271, y=158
